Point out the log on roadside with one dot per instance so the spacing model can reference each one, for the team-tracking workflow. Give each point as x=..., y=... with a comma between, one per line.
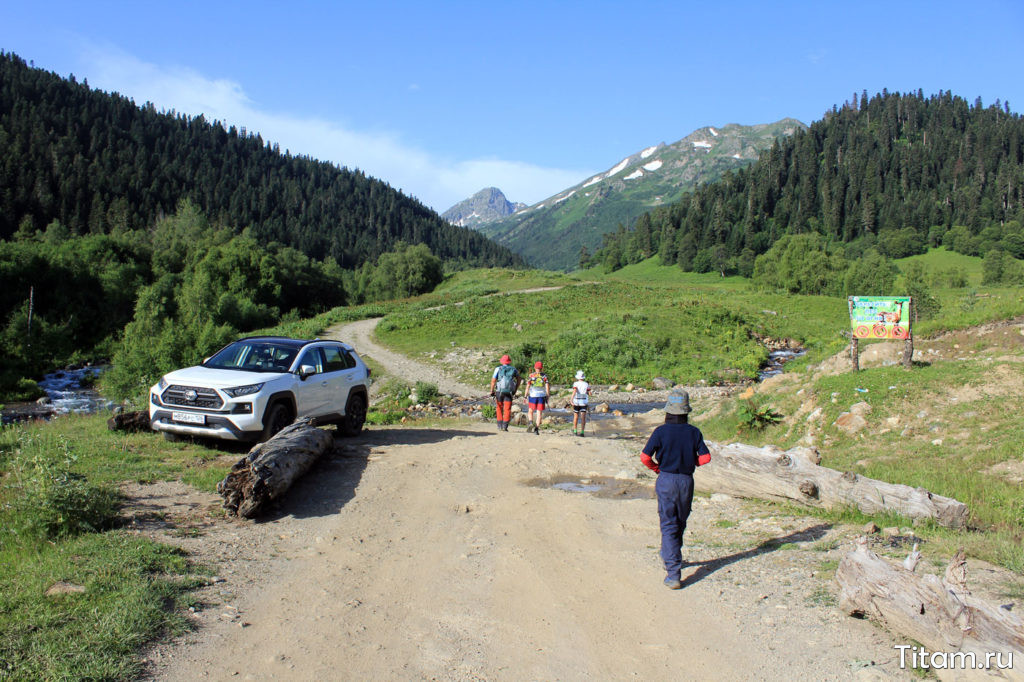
x=940, y=614
x=129, y=421
x=796, y=476
x=272, y=467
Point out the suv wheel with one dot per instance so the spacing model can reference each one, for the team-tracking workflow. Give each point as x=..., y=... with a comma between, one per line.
x=355, y=415
x=278, y=417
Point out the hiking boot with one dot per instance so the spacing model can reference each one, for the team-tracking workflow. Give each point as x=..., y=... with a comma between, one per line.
x=673, y=583
x=536, y=430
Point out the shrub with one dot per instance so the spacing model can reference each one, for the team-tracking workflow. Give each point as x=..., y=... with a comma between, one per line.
x=426, y=392
x=395, y=389
x=756, y=414
x=800, y=264
x=489, y=411
x=385, y=417
x=525, y=354
x=49, y=501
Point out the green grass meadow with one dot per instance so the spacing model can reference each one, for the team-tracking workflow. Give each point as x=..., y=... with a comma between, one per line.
x=59, y=523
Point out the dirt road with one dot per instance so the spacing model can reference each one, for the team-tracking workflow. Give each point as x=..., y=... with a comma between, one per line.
x=415, y=553
x=360, y=335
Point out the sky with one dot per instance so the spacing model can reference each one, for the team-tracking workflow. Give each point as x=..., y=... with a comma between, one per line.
x=442, y=99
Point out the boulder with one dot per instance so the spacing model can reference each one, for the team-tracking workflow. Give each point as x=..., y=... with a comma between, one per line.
x=850, y=423
x=861, y=408
x=601, y=409
x=661, y=383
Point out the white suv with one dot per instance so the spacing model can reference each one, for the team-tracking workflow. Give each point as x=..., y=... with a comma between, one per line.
x=252, y=388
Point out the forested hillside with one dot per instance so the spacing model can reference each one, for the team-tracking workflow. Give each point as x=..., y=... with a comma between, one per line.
x=98, y=164
x=893, y=174
x=151, y=238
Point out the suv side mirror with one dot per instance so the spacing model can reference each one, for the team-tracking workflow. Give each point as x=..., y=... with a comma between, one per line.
x=306, y=371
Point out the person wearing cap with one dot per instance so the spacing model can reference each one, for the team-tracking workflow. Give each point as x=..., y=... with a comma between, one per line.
x=580, y=400
x=673, y=451
x=537, y=392
x=504, y=384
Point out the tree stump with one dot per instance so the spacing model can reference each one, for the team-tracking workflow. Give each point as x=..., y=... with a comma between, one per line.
x=270, y=468
x=129, y=421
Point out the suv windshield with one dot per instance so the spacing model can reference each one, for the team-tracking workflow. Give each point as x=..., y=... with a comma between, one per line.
x=254, y=356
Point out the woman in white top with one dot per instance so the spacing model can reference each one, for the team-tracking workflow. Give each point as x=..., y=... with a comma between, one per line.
x=580, y=402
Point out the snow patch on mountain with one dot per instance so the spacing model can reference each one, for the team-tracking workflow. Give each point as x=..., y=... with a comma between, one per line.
x=591, y=181
x=713, y=132
x=638, y=173
x=737, y=156
x=653, y=165
x=701, y=144
x=647, y=152
x=561, y=199
x=613, y=171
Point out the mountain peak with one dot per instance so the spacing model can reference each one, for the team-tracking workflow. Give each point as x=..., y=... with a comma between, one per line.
x=551, y=232
x=486, y=206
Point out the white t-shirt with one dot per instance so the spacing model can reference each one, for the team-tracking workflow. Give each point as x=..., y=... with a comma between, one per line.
x=579, y=395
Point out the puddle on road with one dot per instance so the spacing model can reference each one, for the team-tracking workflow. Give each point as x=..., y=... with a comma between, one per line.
x=599, y=486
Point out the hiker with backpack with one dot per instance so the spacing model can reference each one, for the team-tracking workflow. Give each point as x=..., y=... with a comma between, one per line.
x=537, y=392
x=504, y=384
x=580, y=403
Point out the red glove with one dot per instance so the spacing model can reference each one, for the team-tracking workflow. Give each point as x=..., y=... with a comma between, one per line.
x=703, y=459
x=649, y=463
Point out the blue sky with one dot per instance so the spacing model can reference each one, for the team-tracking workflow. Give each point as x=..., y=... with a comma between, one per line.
x=443, y=99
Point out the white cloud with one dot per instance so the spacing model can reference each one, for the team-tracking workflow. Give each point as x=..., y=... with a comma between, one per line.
x=436, y=181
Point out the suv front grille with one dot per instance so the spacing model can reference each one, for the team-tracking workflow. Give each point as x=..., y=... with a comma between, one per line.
x=205, y=398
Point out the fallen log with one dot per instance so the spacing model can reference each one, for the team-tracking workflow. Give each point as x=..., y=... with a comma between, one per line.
x=941, y=614
x=796, y=476
x=272, y=467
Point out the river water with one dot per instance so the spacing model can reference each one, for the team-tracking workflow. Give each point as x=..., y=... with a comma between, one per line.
x=65, y=394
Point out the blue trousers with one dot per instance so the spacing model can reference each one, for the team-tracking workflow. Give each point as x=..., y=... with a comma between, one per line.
x=675, y=497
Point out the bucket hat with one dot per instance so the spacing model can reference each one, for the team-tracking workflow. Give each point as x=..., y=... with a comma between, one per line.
x=580, y=376
x=678, y=402
x=505, y=360
x=538, y=365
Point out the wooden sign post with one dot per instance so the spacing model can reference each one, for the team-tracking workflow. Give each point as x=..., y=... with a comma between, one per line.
x=881, y=317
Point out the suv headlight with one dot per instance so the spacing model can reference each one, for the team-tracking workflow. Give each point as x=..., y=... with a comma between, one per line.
x=239, y=391
x=162, y=384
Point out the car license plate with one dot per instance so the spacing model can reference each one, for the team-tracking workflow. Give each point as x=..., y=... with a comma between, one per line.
x=188, y=418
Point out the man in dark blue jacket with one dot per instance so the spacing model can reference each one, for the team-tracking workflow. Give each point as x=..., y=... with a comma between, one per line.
x=673, y=451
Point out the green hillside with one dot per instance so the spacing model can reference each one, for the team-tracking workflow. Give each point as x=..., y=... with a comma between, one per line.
x=893, y=174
